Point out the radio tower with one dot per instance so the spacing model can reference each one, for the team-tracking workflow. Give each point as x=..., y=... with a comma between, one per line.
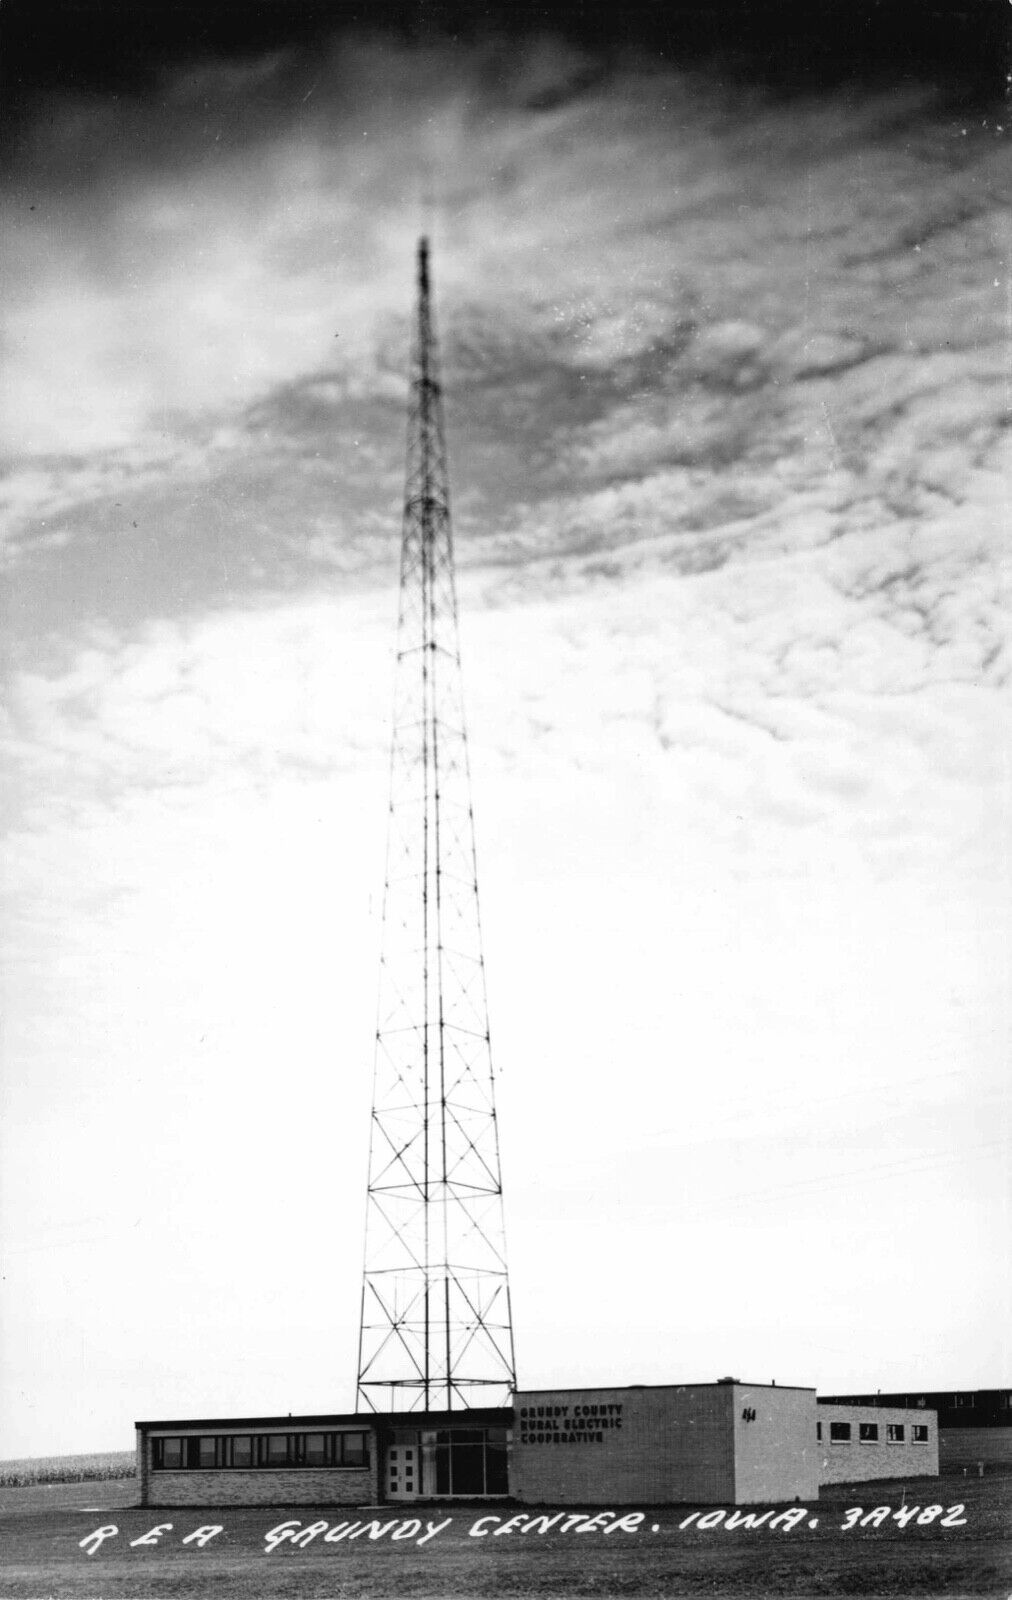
x=436, y=1332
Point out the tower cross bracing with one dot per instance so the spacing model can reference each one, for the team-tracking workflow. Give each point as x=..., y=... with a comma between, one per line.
x=436, y=1329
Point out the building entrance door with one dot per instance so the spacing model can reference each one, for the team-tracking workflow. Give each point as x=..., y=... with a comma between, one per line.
x=403, y=1469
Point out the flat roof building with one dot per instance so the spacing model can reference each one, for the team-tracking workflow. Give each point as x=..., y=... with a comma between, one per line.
x=860, y=1442
x=728, y=1442
x=336, y=1458
x=974, y=1425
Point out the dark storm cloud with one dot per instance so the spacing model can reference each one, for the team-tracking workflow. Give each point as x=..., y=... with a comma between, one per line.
x=120, y=47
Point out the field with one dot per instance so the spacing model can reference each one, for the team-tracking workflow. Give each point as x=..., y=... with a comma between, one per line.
x=829, y=1551
x=67, y=1469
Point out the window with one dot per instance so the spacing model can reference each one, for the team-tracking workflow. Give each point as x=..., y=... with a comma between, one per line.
x=354, y=1450
x=818, y=1430
x=471, y=1461
x=868, y=1432
x=920, y=1433
x=496, y=1473
x=243, y=1451
x=895, y=1432
x=839, y=1433
x=167, y=1454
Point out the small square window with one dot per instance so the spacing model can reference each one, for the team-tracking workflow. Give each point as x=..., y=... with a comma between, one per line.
x=839, y=1433
x=868, y=1432
x=895, y=1432
x=920, y=1433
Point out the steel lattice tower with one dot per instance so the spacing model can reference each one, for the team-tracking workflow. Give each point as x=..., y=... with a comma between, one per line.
x=436, y=1331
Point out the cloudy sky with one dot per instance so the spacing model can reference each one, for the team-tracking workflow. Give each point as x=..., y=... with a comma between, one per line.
x=726, y=355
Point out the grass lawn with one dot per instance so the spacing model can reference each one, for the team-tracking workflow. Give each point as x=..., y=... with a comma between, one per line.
x=40, y=1552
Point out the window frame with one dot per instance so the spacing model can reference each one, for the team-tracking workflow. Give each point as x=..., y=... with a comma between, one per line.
x=158, y=1448
x=276, y=1463
x=896, y=1433
x=867, y=1432
x=840, y=1433
x=361, y=1463
x=229, y=1462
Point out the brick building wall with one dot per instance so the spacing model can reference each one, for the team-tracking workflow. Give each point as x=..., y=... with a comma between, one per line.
x=855, y=1460
x=653, y=1445
x=262, y=1487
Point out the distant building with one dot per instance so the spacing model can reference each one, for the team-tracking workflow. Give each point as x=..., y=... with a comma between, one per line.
x=974, y=1425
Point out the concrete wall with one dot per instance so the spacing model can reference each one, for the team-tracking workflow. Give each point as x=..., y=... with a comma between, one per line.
x=962, y=1447
x=858, y=1462
x=775, y=1451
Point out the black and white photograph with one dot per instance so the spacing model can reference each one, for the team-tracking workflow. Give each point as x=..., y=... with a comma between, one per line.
x=506, y=875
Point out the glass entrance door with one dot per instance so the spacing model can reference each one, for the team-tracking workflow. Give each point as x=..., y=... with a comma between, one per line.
x=471, y=1462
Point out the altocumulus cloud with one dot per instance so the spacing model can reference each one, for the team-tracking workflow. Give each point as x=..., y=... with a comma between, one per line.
x=670, y=311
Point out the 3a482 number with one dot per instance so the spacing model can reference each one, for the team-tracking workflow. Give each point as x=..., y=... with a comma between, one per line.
x=951, y=1516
